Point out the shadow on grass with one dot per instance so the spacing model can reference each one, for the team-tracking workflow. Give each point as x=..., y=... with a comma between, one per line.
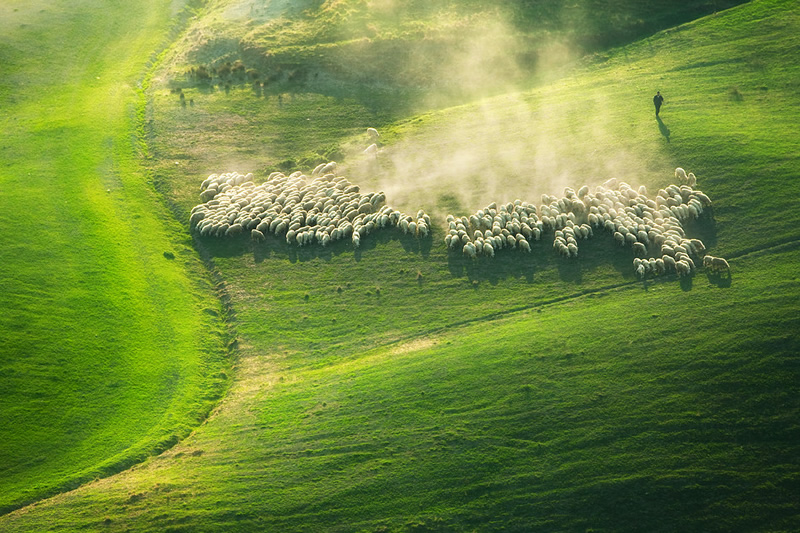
x=421, y=246
x=507, y=263
x=278, y=247
x=723, y=281
x=703, y=228
x=663, y=128
x=596, y=253
x=222, y=247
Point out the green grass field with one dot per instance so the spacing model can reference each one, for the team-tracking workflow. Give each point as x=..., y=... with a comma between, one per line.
x=111, y=344
x=398, y=387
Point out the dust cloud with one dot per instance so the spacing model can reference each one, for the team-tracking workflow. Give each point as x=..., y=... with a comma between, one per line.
x=499, y=148
x=502, y=151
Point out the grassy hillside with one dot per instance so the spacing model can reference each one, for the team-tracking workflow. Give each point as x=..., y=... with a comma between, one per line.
x=401, y=388
x=719, y=121
x=607, y=413
x=416, y=49
x=111, y=346
x=728, y=89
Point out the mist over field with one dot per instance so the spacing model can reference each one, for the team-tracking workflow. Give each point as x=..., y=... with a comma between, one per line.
x=506, y=143
x=514, y=145
x=479, y=161
x=508, y=146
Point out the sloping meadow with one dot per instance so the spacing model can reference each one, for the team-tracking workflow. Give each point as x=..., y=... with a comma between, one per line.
x=404, y=386
x=111, y=346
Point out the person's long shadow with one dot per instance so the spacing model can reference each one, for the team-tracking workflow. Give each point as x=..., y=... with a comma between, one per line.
x=663, y=128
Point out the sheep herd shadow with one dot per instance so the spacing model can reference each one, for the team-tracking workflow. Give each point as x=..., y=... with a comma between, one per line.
x=508, y=264
x=600, y=252
x=273, y=248
x=722, y=281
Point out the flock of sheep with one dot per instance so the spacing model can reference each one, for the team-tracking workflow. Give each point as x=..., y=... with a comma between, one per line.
x=512, y=225
x=323, y=208
x=652, y=227
x=304, y=210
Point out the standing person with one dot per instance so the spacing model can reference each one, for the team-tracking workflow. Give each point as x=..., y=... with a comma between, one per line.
x=657, y=101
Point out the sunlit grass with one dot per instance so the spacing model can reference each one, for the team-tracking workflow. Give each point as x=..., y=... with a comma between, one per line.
x=109, y=353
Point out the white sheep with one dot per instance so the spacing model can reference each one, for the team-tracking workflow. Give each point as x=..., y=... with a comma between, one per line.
x=610, y=184
x=196, y=217
x=716, y=264
x=233, y=230
x=572, y=249
x=373, y=133
x=683, y=268
x=469, y=250
x=208, y=194
x=706, y=201
x=698, y=245
x=317, y=169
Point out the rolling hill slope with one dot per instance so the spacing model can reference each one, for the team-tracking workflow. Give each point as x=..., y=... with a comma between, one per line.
x=403, y=388
x=109, y=352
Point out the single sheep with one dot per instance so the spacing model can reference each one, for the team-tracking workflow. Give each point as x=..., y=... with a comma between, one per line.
x=716, y=264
